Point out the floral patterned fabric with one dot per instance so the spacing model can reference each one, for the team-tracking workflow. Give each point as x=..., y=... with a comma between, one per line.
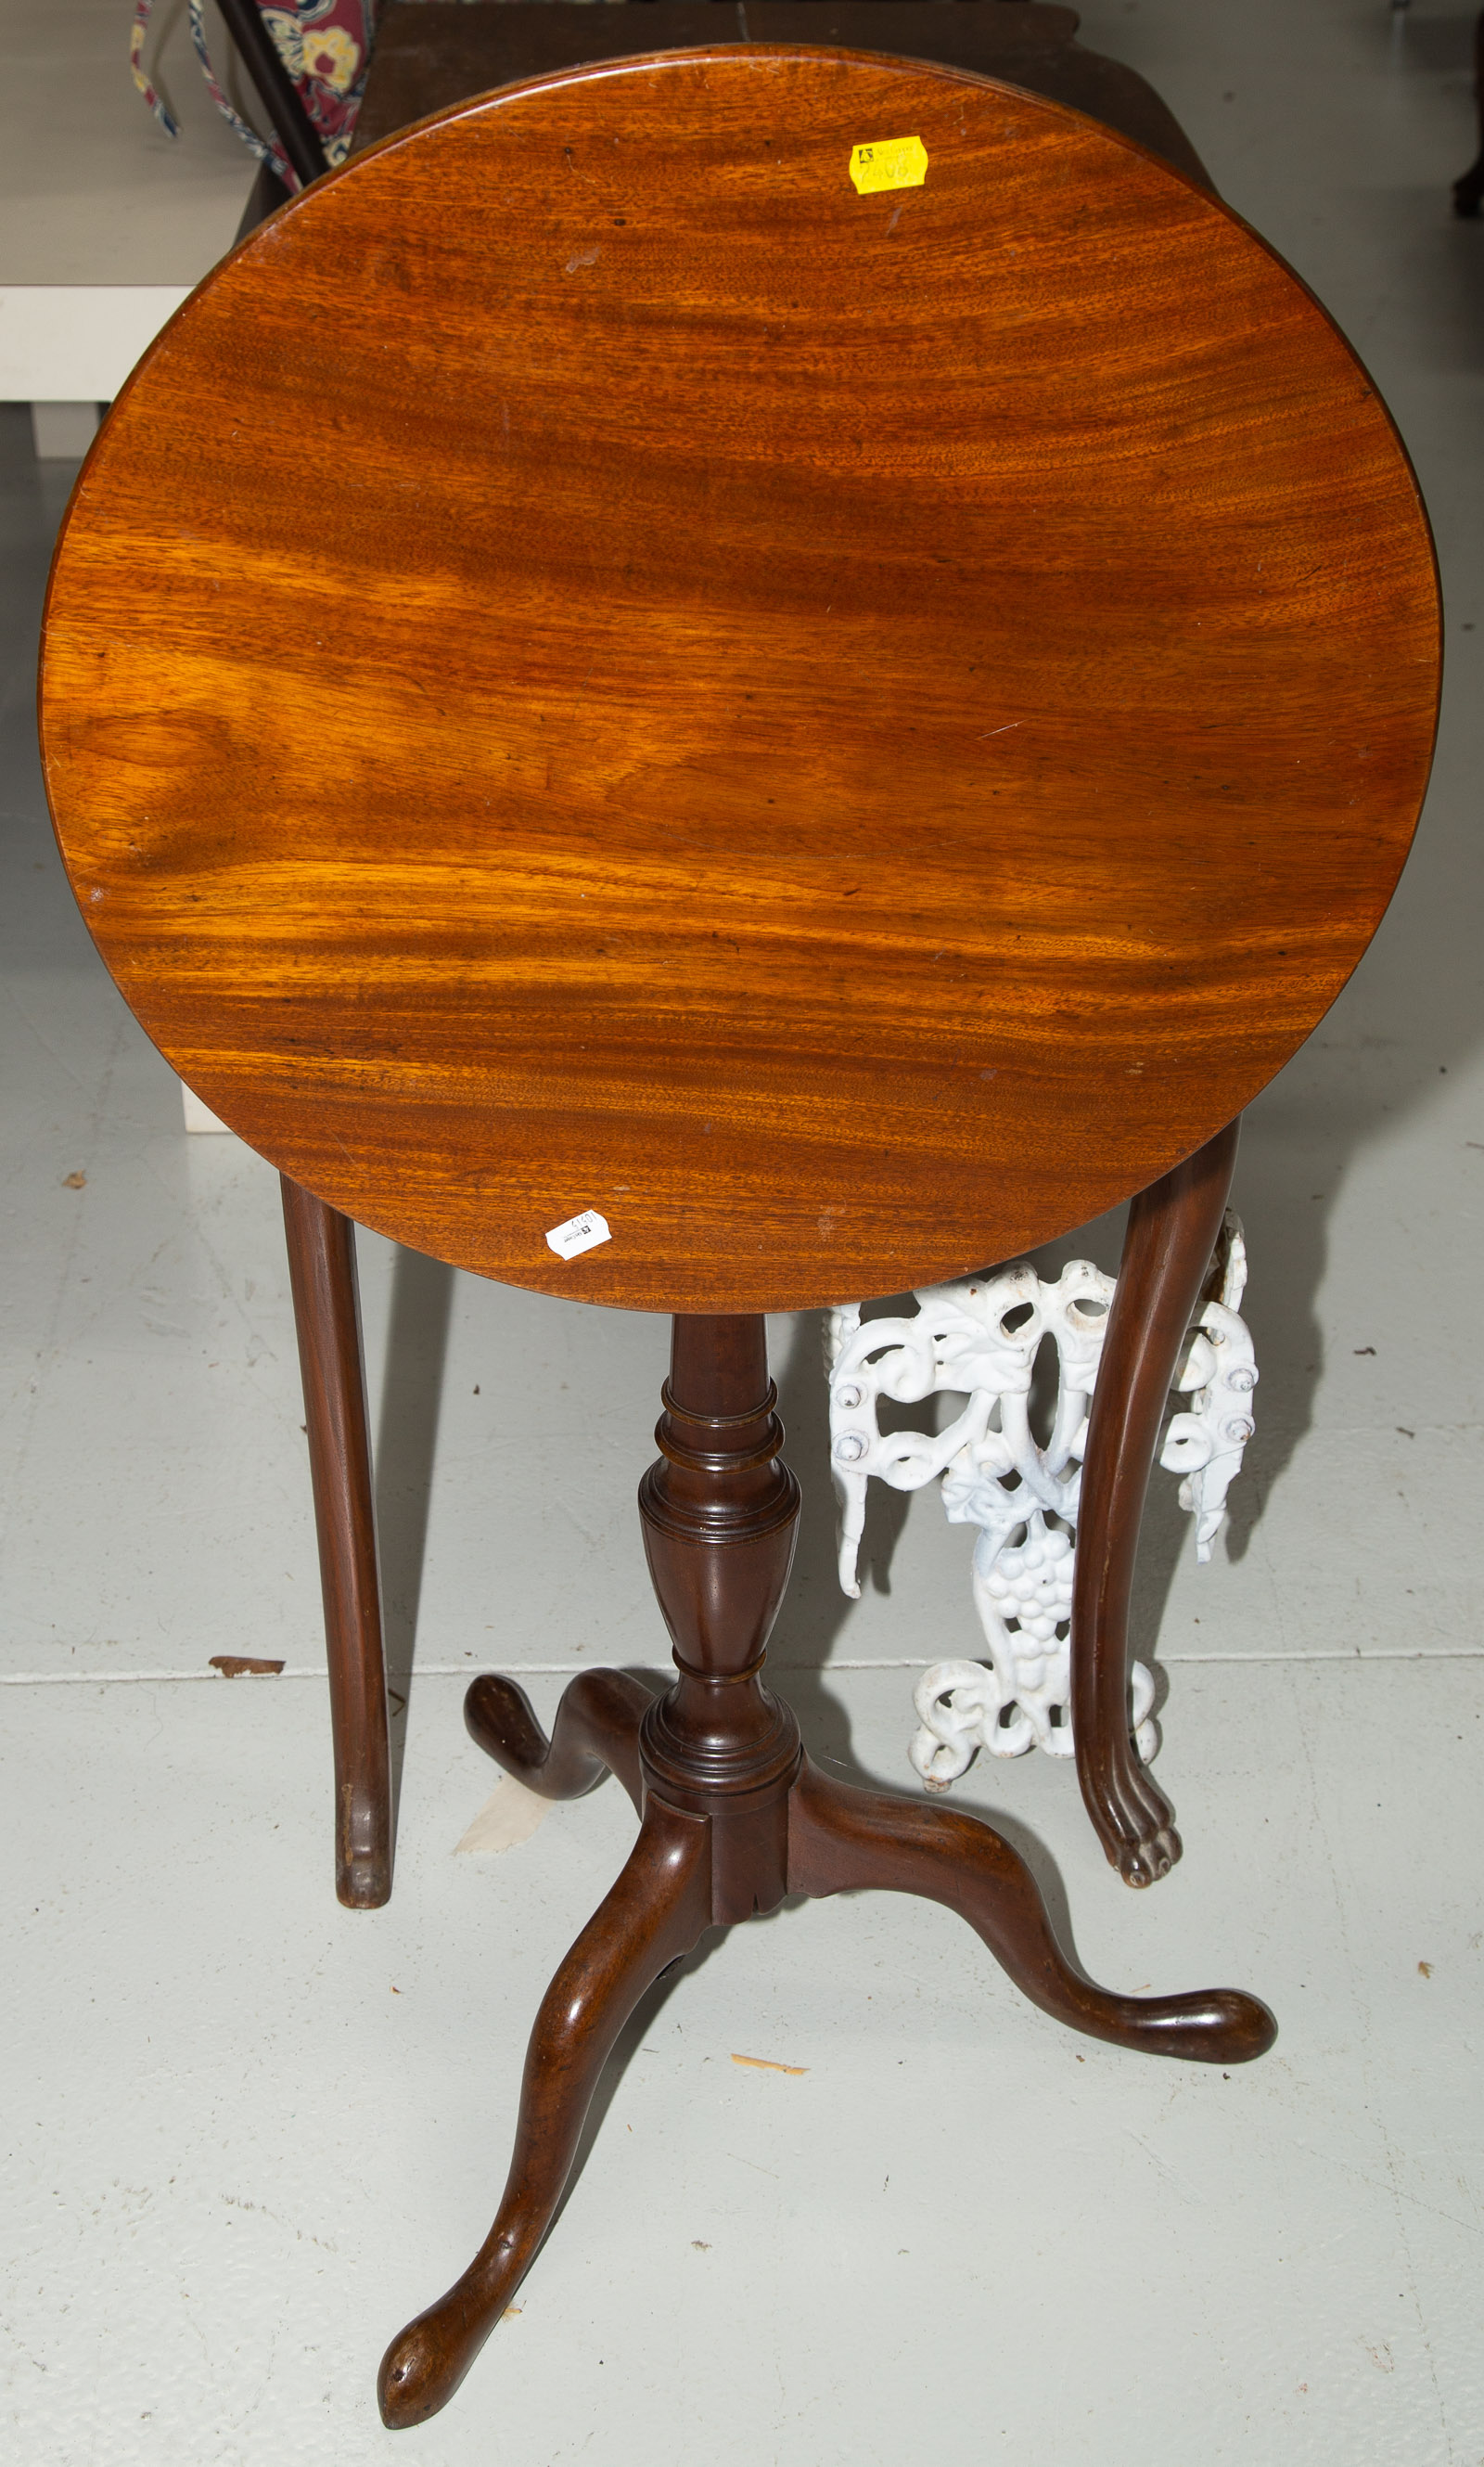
x=323, y=44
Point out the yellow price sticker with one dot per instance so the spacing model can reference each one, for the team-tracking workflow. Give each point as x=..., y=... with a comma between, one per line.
x=891, y=163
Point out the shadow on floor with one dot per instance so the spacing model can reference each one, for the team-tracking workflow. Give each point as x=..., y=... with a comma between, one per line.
x=422, y=1291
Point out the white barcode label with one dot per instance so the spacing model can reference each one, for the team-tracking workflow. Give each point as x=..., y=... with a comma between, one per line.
x=580, y=1234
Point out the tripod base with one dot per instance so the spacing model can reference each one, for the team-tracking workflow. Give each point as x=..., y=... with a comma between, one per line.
x=673, y=1888
x=732, y=1817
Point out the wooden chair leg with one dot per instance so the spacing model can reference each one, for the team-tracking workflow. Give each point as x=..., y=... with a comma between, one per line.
x=660, y=1904
x=326, y=1316
x=1171, y=1232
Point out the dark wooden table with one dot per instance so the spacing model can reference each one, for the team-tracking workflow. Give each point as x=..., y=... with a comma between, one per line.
x=431, y=54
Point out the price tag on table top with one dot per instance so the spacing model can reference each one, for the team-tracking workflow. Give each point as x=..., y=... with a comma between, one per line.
x=888, y=163
x=580, y=1234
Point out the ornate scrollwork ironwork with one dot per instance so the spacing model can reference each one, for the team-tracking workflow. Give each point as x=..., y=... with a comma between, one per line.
x=979, y=1339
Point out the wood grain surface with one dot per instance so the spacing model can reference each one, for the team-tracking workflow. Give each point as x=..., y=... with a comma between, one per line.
x=593, y=666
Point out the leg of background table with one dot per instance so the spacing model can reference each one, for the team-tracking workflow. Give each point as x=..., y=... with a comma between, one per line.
x=840, y=1839
x=1171, y=1232
x=660, y=1904
x=326, y=1316
x=1468, y=188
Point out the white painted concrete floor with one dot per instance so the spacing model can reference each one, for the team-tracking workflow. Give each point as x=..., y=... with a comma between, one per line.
x=248, y=2133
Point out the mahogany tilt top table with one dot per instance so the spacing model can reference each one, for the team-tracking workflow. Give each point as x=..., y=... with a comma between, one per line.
x=871, y=678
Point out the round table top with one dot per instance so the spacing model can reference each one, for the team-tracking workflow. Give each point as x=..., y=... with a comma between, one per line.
x=605, y=663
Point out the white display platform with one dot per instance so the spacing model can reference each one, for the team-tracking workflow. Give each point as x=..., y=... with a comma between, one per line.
x=105, y=223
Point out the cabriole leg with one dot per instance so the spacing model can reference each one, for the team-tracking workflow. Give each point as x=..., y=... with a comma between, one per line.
x=657, y=1910
x=1173, y=1227
x=596, y=1732
x=840, y=1839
